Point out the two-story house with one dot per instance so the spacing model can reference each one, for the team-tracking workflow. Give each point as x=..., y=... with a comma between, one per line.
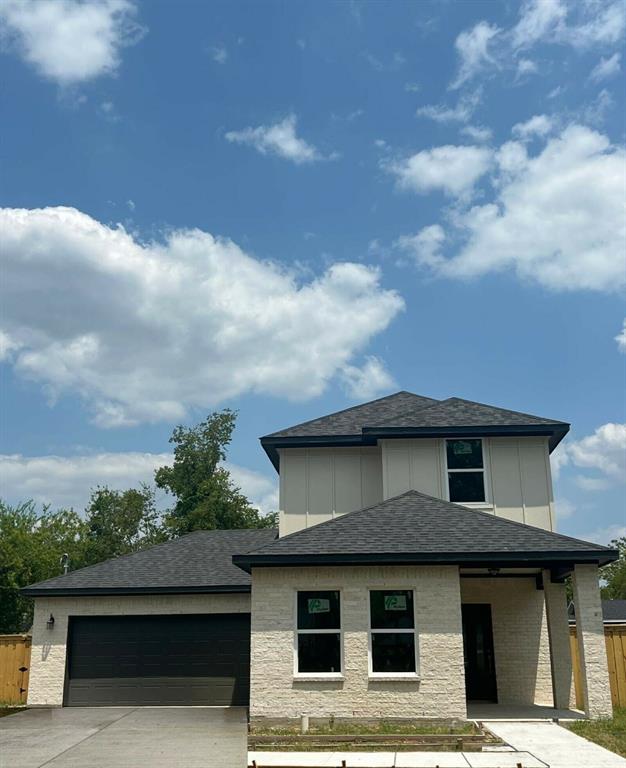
x=415, y=569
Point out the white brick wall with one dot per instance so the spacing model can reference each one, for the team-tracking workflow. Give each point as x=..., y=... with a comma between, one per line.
x=439, y=693
x=47, y=670
x=591, y=642
x=520, y=637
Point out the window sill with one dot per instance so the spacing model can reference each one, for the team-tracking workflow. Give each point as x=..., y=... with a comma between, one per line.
x=475, y=504
x=395, y=678
x=318, y=678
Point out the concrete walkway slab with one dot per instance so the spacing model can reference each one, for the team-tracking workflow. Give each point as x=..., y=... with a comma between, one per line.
x=394, y=760
x=125, y=737
x=555, y=745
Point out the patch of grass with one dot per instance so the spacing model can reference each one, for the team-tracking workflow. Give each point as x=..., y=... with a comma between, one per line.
x=4, y=711
x=609, y=733
x=360, y=729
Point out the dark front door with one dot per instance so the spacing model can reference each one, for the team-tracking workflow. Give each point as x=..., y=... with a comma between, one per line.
x=158, y=660
x=480, y=668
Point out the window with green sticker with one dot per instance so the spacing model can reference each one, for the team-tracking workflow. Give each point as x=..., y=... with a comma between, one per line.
x=466, y=471
x=393, y=648
x=318, y=630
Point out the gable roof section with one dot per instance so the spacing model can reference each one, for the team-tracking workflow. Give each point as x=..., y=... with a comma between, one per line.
x=416, y=528
x=198, y=562
x=351, y=420
x=407, y=415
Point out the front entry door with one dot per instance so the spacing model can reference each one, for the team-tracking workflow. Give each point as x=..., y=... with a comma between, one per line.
x=480, y=668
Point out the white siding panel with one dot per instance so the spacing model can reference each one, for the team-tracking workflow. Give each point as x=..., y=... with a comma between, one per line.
x=320, y=487
x=398, y=471
x=348, y=493
x=535, y=483
x=371, y=478
x=425, y=468
x=506, y=480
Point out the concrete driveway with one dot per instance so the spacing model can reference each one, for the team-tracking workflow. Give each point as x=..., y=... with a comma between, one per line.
x=125, y=737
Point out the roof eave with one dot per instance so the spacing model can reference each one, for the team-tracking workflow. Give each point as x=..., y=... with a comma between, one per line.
x=544, y=559
x=271, y=444
x=35, y=591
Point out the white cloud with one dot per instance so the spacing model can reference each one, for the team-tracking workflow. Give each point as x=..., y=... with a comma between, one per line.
x=477, y=132
x=526, y=67
x=279, y=139
x=564, y=509
x=66, y=481
x=472, y=46
x=605, y=535
x=606, y=68
x=538, y=125
x=452, y=169
x=69, y=41
x=557, y=218
x=368, y=381
x=425, y=246
x=620, y=339
x=219, y=54
x=144, y=331
x=538, y=19
x=461, y=113
x=604, y=451
x=601, y=24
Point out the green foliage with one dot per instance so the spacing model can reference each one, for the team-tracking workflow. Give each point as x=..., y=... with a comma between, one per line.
x=206, y=497
x=119, y=522
x=31, y=545
x=614, y=574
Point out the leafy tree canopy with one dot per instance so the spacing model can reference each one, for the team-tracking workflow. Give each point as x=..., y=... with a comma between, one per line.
x=614, y=574
x=206, y=497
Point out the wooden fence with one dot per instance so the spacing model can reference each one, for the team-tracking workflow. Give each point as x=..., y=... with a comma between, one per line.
x=615, y=636
x=14, y=666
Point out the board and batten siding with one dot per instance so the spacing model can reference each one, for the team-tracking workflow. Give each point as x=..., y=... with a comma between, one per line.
x=317, y=484
x=517, y=475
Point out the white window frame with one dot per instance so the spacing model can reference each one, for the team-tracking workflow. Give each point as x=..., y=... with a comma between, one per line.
x=317, y=675
x=487, y=503
x=370, y=659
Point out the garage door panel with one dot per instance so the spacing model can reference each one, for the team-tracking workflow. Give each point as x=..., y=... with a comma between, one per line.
x=158, y=660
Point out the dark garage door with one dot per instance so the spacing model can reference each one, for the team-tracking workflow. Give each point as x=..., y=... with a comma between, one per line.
x=158, y=660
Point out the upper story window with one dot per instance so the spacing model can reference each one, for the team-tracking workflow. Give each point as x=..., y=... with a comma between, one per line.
x=318, y=633
x=393, y=650
x=466, y=470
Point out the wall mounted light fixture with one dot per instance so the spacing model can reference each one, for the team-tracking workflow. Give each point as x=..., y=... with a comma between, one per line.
x=50, y=622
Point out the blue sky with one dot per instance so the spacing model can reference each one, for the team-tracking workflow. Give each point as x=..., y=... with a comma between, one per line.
x=289, y=208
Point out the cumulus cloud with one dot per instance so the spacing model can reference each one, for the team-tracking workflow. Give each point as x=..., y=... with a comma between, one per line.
x=557, y=218
x=606, y=68
x=603, y=453
x=66, y=481
x=279, y=139
x=620, y=339
x=144, y=331
x=460, y=113
x=477, y=132
x=367, y=381
x=425, y=246
x=538, y=19
x=68, y=41
x=451, y=169
x=472, y=47
x=538, y=125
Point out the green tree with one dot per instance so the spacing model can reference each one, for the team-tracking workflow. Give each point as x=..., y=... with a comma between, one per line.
x=31, y=546
x=206, y=497
x=614, y=574
x=119, y=522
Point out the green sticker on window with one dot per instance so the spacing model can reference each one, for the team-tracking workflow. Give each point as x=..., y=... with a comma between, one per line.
x=395, y=602
x=319, y=605
x=461, y=448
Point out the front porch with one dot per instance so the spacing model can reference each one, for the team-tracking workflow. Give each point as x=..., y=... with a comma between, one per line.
x=517, y=654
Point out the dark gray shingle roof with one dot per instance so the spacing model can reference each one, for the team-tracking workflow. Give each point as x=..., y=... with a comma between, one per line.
x=351, y=420
x=198, y=562
x=414, y=527
x=613, y=611
x=456, y=412
x=408, y=415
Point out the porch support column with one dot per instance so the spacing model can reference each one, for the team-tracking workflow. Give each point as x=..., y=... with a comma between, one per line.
x=591, y=643
x=558, y=634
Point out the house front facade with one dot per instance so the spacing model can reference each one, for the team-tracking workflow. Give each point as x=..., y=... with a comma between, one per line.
x=416, y=568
